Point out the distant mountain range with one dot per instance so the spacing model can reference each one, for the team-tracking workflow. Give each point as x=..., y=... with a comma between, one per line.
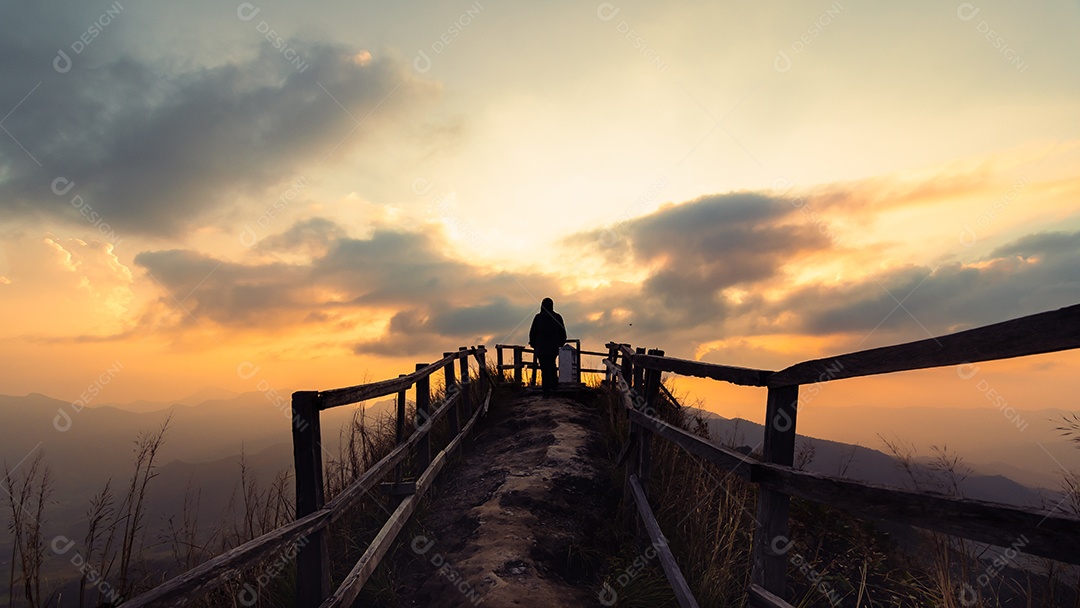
x=202, y=446
x=1025, y=446
x=866, y=464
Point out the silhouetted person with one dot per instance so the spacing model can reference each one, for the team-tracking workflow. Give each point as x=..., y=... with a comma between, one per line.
x=546, y=335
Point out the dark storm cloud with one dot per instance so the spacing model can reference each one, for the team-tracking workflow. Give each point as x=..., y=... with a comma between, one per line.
x=697, y=249
x=693, y=251
x=227, y=293
x=438, y=298
x=308, y=235
x=413, y=331
x=1032, y=274
x=152, y=150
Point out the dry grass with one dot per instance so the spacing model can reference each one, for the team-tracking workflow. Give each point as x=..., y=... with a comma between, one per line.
x=836, y=558
x=116, y=549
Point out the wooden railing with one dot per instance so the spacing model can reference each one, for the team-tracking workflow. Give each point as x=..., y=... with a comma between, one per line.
x=519, y=365
x=307, y=535
x=636, y=374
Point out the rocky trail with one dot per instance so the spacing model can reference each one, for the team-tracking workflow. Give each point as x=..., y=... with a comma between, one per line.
x=518, y=520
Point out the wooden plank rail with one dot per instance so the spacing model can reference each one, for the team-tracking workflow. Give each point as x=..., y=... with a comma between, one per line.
x=1045, y=332
x=298, y=535
x=1044, y=533
x=636, y=374
x=179, y=590
x=363, y=485
x=736, y=463
x=736, y=375
x=350, y=587
x=363, y=392
x=760, y=598
x=1048, y=534
x=671, y=568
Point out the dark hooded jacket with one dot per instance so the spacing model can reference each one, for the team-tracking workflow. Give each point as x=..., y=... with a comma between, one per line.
x=548, y=332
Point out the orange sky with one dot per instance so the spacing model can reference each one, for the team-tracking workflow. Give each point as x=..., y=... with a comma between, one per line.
x=216, y=207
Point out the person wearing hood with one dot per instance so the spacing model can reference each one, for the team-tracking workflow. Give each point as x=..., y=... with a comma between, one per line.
x=546, y=336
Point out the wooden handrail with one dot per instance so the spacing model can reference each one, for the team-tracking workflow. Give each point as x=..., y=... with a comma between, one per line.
x=205, y=577
x=742, y=376
x=371, y=390
x=675, y=577
x=179, y=590
x=208, y=575
x=760, y=598
x=1038, y=531
x=736, y=463
x=1047, y=534
x=1045, y=332
x=356, y=490
x=352, y=584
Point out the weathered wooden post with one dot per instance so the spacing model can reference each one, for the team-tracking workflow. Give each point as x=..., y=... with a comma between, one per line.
x=519, y=363
x=312, y=558
x=651, y=398
x=639, y=374
x=455, y=420
x=534, y=367
x=771, y=535
x=499, y=360
x=612, y=355
x=483, y=378
x=399, y=430
x=423, y=414
x=633, y=444
x=627, y=366
x=466, y=393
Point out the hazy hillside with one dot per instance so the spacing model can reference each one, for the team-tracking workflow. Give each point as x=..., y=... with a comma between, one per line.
x=202, y=447
x=1026, y=447
x=857, y=462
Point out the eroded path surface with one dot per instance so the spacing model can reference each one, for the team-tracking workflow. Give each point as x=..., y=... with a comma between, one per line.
x=513, y=523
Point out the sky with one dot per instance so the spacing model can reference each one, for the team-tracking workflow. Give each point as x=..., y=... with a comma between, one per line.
x=312, y=196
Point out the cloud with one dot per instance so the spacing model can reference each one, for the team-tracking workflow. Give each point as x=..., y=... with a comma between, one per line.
x=158, y=151
x=1031, y=274
x=415, y=330
x=312, y=236
x=695, y=250
x=425, y=295
x=405, y=293
x=697, y=255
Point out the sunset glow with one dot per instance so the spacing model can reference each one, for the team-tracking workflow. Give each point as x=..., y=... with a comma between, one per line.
x=333, y=195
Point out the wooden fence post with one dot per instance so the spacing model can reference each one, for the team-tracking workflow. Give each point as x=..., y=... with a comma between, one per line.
x=423, y=414
x=534, y=367
x=639, y=374
x=651, y=397
x=312, y=558
x=519, y=364
x=772, y=531
x=633, y=444
x=452, y=415
x=612, y=355
x=627, y=367
x=499, y=360
x=482, y=377
x=466, y=394
x=399, y=430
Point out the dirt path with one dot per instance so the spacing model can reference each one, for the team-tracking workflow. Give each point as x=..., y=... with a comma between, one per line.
x=513, y=522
